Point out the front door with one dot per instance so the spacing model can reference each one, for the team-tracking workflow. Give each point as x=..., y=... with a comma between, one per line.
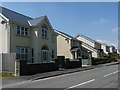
x=44, y=56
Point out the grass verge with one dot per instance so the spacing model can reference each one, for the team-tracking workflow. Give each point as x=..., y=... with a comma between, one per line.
x=6, y=74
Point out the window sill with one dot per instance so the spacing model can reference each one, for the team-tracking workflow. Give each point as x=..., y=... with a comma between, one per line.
x=45, y=38
x=23, y=36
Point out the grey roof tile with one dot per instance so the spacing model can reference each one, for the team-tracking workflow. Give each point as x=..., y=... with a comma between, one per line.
x=20, y=18
x=15, y=17
x=35, y=21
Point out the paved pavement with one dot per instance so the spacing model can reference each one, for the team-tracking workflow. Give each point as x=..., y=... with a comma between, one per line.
x=59, y=82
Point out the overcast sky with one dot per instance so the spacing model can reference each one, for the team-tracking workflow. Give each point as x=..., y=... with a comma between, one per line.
x=96, y=20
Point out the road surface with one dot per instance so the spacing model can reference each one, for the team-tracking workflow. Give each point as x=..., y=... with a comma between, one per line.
x=102, y=77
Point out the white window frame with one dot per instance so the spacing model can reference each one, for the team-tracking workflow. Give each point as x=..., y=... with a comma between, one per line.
x=22, y=53
x=18, y=30
x=22, y=31
x=44, y=33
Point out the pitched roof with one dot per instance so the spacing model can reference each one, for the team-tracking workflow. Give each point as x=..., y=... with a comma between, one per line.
x=85, y=37
x=75, y=48
x=64, y=34
x=20, y=18
x=35, y=21
x=85, y=49
x=15, y=17
x=102, y=43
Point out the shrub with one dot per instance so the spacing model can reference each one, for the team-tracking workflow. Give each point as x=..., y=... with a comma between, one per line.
x=100, y=59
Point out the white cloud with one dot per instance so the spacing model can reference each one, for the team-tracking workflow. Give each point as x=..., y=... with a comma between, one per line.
x=100, y=21
x=115, y=29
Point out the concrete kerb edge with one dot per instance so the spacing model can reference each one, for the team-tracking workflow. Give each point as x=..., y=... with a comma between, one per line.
x=60, y=74
x=114, y=64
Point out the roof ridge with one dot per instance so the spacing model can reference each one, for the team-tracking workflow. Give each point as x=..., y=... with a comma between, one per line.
x=35, y=21
x=39, y=17
x=103, y=43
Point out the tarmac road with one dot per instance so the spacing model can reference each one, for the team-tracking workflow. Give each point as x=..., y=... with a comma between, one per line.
x=102, y=77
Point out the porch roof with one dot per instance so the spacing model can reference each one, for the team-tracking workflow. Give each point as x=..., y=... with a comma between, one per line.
x=74, y=49
x=85, y=49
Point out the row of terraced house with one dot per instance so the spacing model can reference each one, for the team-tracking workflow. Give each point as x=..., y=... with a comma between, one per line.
x=35, y=40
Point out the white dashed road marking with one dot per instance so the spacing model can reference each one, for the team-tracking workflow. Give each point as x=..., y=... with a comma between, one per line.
x=111, y=73
x=80, y=84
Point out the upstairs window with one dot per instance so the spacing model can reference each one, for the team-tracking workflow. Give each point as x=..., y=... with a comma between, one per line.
x=18, y=30
x=44, y=31
x=22, y=31
x=26, y=31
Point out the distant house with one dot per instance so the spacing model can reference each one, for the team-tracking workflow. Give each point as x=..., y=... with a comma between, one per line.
x=32, y=39
x=113, y=51
x=91, y=45
x=68, y=46
x=71, y=48
x=106, y=49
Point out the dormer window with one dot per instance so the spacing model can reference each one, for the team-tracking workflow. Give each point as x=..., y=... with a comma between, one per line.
x=44, y=31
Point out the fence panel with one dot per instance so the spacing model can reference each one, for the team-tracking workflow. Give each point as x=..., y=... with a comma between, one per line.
x=8, y=62
x=85, y=61
x=0, y=70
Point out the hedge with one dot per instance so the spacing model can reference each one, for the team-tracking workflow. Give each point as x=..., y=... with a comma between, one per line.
x=96, y=61
x=100, y=59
